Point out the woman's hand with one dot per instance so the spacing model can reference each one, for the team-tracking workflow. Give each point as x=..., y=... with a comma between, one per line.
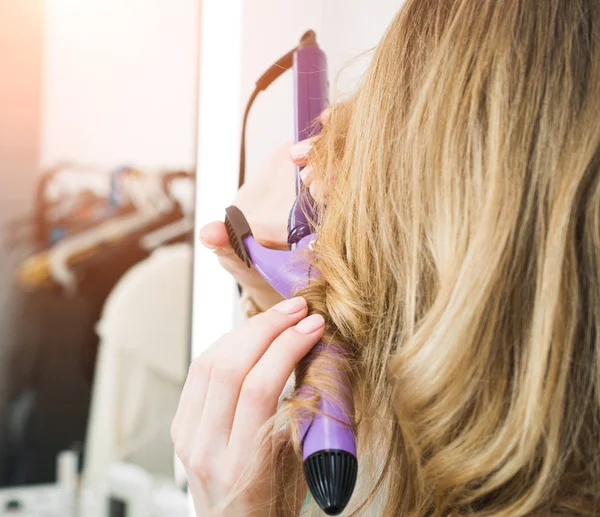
x=231, y=392
x=265, y=199
x=299, y=153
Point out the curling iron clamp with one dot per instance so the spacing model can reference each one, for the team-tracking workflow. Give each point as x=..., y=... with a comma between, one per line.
x=328, y=441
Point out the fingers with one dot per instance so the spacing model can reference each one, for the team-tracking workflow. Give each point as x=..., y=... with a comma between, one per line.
x=265, y=382
x=306, y=175
x=317, y=192
x=299, y=152
x=189, y=411
x=315, y=187
x=238, y=353
x=215, y=237
x=232, y=390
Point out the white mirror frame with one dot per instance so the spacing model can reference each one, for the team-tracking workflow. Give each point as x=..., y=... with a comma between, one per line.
x=219, y=126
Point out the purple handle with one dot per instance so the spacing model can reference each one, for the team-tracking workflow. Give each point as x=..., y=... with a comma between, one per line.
x=328, y=431
x=287, y=272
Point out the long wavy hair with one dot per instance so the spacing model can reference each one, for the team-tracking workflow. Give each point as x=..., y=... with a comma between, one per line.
x=459, y=260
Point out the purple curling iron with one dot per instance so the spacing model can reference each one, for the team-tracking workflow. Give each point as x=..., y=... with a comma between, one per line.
x=328, y=442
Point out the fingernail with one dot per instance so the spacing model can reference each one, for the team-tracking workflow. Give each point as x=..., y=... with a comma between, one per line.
x=305, y=173
x=291, y=306
x=311, y=324
x=300, y=150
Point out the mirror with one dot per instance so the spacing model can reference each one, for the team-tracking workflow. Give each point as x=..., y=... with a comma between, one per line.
x=98, y=157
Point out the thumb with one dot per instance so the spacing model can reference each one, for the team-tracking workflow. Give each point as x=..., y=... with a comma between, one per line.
x=215, y=237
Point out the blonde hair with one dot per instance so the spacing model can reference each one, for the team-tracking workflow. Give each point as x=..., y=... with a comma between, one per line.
x=459, y=255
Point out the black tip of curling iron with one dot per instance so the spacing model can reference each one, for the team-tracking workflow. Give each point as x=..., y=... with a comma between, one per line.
x=238, y=229
x=331, y=476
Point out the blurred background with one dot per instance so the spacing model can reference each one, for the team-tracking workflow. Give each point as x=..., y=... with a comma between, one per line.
x=98, y=104
x=119, y=138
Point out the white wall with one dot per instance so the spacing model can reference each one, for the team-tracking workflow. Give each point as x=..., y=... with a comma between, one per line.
x=271, y=28
x=120, y=82
x=345, y=30
x=350, y=29
x=216, y=177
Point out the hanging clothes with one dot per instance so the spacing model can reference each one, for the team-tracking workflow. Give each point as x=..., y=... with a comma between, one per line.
x=48, y=341
x=142, y=364
x=49, y=344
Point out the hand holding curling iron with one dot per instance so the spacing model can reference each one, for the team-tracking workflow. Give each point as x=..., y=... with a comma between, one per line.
x=231, y=391
x=265, y=198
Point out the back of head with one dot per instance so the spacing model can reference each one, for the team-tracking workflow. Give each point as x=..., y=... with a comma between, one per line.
x=459, y=257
